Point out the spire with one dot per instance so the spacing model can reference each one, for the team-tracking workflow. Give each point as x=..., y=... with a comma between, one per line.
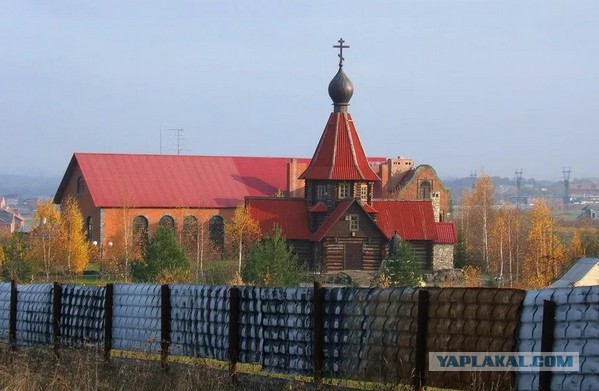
x=341, y=88
x=339, y=154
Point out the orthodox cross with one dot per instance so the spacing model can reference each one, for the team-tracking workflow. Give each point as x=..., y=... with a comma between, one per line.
x=341, y=46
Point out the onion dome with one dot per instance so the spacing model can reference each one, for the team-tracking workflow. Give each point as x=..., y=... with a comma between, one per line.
x=341, y=90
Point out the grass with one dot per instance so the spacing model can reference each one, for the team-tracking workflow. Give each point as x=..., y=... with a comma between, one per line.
x=37, y=369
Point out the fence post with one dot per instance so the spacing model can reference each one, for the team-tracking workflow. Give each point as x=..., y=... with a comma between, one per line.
x=165, y=324
x=108, y=311
x=421, y=334
x=547, y=341
x=56, y=310
x=12, y=316
x=318, y=333
x=233, y=332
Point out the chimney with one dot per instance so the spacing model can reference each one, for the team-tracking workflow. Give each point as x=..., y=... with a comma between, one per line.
x=436, y=200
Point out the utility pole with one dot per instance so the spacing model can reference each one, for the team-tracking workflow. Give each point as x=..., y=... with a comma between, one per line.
x=518, y=188
x=473, y=176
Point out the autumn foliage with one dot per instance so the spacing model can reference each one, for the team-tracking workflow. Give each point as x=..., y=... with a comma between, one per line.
x=515, y=247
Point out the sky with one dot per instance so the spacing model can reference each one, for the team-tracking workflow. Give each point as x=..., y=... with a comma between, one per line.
x=485, y=86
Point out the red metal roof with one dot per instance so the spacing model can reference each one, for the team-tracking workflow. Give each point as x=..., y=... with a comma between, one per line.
x=339, y=154
x=414, y=220
x=446, y=233
x=288, y=213
x=167, y=181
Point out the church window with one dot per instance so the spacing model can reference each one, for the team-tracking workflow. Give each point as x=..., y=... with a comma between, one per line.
x=140, y=229
x=321, y=191
x=343, y=190
x=89, y=228
x=167, y=221
x=354, y=222
x=216, y=232
x=424, y=191
x=364, y=192
x=80, y=185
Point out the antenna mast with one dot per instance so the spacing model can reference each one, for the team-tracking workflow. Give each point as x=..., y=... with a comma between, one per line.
x=179, y=134
x=566, y=173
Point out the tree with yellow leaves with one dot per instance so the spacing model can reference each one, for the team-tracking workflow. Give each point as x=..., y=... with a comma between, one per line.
x=576, y=249
x=546, y=256
x=242, y=232
x=507, y=243
x=74, y=247
x=46, y=237
x=478, y=214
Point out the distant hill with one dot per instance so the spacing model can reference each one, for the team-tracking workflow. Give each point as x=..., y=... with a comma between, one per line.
x=29, y=186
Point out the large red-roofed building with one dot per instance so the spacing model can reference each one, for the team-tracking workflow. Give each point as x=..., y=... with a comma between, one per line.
x=334, y=208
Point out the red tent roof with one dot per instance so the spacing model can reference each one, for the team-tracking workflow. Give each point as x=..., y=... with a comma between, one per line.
x=288, y=213
x=318, y=208
x=339, y=154
x=446, y=233
x=414, y=220
x=167, y=181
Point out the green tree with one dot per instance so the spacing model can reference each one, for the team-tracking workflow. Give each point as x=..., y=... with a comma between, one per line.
x=162, y=255
x=16, y=262
x=402, y=267
x=271, y=262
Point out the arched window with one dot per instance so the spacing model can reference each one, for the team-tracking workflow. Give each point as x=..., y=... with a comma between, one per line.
x=167, y=221
x=216, y=228
x=89, y=228
x=425, y=190
x=80, y=185
x=140, y=229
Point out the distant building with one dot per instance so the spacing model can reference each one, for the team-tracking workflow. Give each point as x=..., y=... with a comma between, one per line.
x=588, y=213
x=10, y=219
x=585, y=272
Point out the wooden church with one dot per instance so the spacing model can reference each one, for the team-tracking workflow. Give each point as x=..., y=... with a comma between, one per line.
x=339, y=225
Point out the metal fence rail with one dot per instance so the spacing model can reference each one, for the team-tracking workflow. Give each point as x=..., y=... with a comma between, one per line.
x=5, y=289
x=82, y=315
x=200, y=321
x=370, y=334
x=34, y=315
x=136, y=317
x=576, y=330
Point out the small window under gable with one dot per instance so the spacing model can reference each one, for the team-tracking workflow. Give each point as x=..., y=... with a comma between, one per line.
x=425, y=190
x=80, y=185
x=354, y=223
x=343, y=191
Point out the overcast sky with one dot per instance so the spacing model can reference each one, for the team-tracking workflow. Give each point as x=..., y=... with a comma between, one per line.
x=461, y=85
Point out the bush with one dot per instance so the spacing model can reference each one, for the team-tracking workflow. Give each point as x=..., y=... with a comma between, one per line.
x=271, y=262
x=162, y=256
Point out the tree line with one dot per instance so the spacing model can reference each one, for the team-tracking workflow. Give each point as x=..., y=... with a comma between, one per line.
x=57, y=248
x=515, y=246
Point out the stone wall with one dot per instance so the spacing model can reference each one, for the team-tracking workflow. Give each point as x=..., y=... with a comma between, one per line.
x=442, y=256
